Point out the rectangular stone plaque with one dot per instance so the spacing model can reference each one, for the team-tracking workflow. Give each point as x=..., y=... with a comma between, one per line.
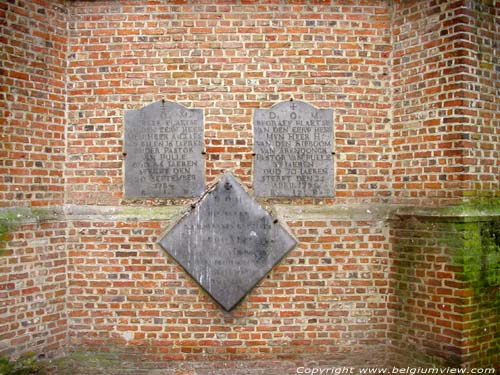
x=227, y=242
x=293, y=151
x=164, y=151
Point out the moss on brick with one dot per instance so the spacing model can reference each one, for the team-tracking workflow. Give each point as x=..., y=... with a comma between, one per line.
x=471, y=210
x=480, y=252
x=13, y=216
x=83, y=362
x=481, y=272
x=4, y=230
x=469, y=236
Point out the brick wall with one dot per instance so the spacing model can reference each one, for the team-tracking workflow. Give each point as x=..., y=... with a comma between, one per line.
x=428, y=91
x=32, y=111
x=32, y=126
x=33, y=285
x=326, y=299
x=427, y=300
x=414, y=89
x=445, y=289
x=228, y=59
x=480, y=36
x=445, y=125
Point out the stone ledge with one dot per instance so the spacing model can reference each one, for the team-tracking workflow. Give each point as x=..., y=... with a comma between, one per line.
x=336, y=212
x=467, y=212
x=75, y=212
x=284, y=212
x=30, y=215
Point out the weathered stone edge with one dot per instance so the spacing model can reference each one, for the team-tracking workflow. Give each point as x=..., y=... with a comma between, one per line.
x=281, y=211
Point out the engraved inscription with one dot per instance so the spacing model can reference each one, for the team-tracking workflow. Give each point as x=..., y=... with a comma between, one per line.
x=163, y=146
x=227, y=242
x=293, y=151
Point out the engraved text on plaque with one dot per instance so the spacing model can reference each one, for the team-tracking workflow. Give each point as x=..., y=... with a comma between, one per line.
x=164, y=151
x=293, y=151
x=227, y=242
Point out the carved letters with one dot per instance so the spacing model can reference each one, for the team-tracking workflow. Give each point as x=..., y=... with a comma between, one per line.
x=227, y=242
x=293, y=151
x=164, y=146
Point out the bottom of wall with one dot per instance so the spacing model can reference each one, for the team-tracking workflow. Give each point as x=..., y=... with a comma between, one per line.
x=365, y=287
x=127, y=361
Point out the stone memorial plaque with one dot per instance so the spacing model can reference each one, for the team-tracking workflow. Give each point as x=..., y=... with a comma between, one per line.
x=164, y=151
x=227, y=242
x=293, y=151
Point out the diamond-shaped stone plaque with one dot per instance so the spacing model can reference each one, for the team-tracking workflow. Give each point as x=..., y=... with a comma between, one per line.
x=227, y=242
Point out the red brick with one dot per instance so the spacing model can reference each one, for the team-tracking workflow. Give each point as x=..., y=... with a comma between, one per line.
x=405, y=117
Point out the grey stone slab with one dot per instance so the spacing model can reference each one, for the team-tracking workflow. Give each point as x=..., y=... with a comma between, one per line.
x=227, y=242
x=293, y=151
x=164, y=152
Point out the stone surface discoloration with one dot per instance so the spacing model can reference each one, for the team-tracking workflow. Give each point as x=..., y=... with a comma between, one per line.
x=164, y=151
x=227, y=242
x=293, y=151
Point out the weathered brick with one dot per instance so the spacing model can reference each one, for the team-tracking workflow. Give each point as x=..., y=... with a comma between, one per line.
x=413, y=87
